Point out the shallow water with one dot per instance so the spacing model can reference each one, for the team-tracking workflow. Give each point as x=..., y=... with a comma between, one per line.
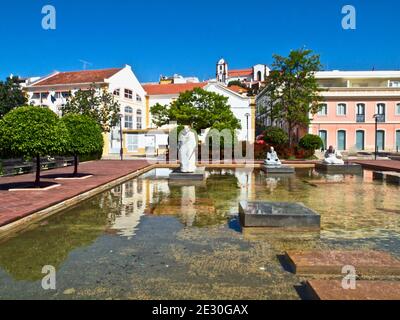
x=149, y=239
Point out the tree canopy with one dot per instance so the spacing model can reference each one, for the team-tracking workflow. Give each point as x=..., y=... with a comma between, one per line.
x=100, y=106
x=292, y=89
x=85, y=136
x=11, y=95
x=198, y=108
x=34, y=132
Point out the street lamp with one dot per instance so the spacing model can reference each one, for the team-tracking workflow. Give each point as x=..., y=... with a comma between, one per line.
x=247, y=115
x=121, y=152
x=376, y=116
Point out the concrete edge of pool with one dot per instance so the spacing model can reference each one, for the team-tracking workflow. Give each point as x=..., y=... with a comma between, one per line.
x=23, y=223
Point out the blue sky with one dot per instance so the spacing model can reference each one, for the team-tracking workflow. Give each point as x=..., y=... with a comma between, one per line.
x=188, y=37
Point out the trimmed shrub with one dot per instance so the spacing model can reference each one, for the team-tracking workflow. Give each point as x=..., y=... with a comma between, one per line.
x=311, y=142
x=275, y=136
x=85, y=136
x=32, y=132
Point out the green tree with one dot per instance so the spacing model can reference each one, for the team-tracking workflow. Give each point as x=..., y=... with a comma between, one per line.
x=293, y=90
x=85, y=136
x=32, y=132
x=98, y=104
x=11, y=95
x=237, y=83
x=198, y=108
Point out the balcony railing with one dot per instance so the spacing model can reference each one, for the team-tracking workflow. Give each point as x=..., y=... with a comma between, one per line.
x=361, y=118
x=381, y=118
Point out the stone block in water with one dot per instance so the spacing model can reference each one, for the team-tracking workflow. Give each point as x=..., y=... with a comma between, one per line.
x=349, y=168
x=199, y=174
x=284, y=215
x=278, y=169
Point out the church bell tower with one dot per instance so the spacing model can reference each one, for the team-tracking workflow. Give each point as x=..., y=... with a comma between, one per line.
x=222, y=71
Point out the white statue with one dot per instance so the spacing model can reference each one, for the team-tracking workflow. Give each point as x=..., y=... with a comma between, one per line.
x=272, y=158
x=333, y=157
x=187, y=150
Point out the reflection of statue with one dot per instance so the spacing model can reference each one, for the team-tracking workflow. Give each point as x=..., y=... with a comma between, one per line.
x=272, y=158
x=333, y=157
x=334, y=178
x=187, y=150
x=188, y=205
x=272, y=183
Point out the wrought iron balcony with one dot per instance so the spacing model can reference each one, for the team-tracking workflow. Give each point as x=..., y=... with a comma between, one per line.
x=381, y=118
x=361, y=118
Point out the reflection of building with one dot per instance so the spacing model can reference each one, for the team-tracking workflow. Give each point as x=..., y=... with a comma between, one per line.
x=128, y=202
x=132, y=197
x=54, y=91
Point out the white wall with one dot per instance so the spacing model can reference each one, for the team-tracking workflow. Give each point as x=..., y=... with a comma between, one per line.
x=240, y=106
x=126, y=79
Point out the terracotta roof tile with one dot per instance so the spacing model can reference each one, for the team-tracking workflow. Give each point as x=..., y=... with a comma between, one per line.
x=240, y=73
x=161, y=89
x=238, y=89
x=87, y=76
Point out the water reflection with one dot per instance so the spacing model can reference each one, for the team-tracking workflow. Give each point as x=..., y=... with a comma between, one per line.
x=129, y=207
x=195, y=204
x=354, y=210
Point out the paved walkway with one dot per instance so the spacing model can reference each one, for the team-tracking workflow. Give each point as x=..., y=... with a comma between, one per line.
x=380, y=165
x=17, y=205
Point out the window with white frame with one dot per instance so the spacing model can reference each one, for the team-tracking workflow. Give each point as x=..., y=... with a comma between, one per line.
x=128, y=118
x=139, y=119
x=360, y=109
x=138, y=98
x=380, y=108
x=117, y=92
x=66, y=94
x=323, y=109
x=341, y=109
x=132, y=142
x=398, y=109
x=128, y=94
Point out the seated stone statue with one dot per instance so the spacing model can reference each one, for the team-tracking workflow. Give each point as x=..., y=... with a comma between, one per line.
x=333, y=157
x=272, y=158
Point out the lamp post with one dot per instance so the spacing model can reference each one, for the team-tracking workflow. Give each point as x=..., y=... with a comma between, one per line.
x=376, y=116
x=121, y=152
x=247, y=115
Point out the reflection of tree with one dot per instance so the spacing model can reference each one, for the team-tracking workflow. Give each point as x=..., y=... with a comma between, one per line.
x=24, y=256
x=222, y=187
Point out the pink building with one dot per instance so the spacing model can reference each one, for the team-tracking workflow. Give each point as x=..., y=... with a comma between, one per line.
x=351, y=100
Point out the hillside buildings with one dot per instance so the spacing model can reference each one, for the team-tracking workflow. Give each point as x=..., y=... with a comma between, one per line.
x=352, y=100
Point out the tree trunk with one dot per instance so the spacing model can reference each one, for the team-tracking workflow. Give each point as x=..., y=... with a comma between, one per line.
x=37, y=180
x=76, y=163
x=290, y=134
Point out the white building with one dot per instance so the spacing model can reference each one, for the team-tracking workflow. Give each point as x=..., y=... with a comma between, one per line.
x=54, y=90
x=178, y=79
